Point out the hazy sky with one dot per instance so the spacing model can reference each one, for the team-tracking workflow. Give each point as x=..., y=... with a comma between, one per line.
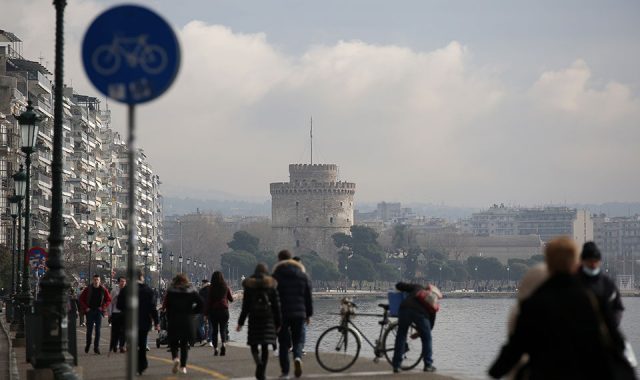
x=461, y=102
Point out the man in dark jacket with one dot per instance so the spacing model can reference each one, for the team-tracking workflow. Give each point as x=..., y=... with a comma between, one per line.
x=561, y=327
x=412, y=312
x=94, y=301
x=600, y=284
x=204, y=332
x=296, y=305
x=147, y=313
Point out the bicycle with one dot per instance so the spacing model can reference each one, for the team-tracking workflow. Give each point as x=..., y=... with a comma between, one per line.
x=107, y=59
x=339, y=346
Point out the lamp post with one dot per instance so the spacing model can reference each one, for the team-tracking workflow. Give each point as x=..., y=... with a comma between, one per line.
x=159, y=267
x=111, y=241
x=145, y=254
x=14, y=206
x=180, y=262
x=53, y=352
x=90, y=236
x=508, y=276
x=195, y=270
x=171, y=265
x=28, y=121
x=188, y=271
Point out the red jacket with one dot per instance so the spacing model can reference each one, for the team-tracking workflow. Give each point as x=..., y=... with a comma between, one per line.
x=86, y=295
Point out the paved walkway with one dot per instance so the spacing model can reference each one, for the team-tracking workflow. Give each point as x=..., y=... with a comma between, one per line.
x=237, y=364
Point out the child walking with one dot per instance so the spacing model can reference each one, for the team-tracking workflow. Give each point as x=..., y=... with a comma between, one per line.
x=262, y=305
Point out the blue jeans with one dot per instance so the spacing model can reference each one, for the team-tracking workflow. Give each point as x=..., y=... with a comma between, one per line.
x=94, y=317
x=292, y=332
x=405, y=318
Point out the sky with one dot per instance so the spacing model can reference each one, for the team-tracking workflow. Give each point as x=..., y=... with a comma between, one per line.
x=464, y=103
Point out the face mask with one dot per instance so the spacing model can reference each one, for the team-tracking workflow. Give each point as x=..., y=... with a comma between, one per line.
x=591, y=272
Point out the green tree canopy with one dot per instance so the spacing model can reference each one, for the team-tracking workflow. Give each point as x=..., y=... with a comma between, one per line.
x=361, y=269
x=244, y=241
x=245, y=262
x=319, y=268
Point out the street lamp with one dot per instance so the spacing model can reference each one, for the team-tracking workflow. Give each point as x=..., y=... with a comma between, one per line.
x=145, y=254
x=188, y=272
x=53, y=349
x=195, y=269
x=111, y=241
x=180, y=261
x=90, y=236
x=19, y=184
x=508, y=276
x=14, y=206
x=159, y=266
x=171, y=264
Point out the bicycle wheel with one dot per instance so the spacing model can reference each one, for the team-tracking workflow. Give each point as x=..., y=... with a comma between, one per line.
x=337, y=349
x=412, y=349
x=153, y=59
x=105, y=60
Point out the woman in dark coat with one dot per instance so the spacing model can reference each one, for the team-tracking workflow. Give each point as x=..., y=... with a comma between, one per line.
x=262, y=304
x=217, y=310
x=181, y=303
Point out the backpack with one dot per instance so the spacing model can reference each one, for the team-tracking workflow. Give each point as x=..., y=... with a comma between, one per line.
x=261, y=304
x=429, y=297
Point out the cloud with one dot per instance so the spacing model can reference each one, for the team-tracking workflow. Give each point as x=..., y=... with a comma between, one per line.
x=403, y=124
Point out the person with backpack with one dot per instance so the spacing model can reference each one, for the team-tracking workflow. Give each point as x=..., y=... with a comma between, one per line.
x=418, y=308
x=181, y=303
x=294, y=289
x=262, y=305
x=217, y=310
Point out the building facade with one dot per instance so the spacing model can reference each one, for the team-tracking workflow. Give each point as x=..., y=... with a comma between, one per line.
x=94, y=164
x=310, y=208
x=500, y=220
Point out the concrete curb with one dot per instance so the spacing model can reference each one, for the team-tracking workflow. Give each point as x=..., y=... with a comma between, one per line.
x=13, y=366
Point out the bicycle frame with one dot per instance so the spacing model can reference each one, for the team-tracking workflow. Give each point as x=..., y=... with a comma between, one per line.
x=378, y=350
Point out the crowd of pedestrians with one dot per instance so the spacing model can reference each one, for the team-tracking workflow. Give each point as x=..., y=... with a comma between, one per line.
x=565, y=324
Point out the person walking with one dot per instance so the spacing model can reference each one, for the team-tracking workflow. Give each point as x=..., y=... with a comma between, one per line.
x=261, y=304
x=413, y=312
x=296, y=306
x=181, y=303
x=117, y=320
x=217, y=310
x=590, y=274
x=94, y=301
x=204, y=331
x=147, y=317
x=561, y=327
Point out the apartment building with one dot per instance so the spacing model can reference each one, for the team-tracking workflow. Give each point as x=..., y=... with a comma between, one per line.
x=95, y=169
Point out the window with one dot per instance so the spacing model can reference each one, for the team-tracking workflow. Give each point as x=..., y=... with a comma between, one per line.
x=331, y=219
x=297, y=243
x=306, y=219
x=340, y=204
x=297, y=203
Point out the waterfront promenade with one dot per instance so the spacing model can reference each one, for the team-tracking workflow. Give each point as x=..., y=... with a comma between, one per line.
x=237, y=364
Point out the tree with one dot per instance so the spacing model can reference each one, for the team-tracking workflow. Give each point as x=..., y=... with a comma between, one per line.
x=400, y=239
x=388, y=272
x=342, y=240
x=361, y=269
x=244, y=241
x=267, y=257
x=318, y=268
x=244, y=263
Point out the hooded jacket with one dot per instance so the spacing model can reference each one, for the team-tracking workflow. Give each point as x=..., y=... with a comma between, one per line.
x=263, y=323
x=294, y=289
x=181, y=304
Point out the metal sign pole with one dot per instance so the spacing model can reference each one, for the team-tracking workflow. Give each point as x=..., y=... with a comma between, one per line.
x=132, y=281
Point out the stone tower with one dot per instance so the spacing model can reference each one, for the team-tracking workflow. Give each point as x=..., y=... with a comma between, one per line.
x=310, y=208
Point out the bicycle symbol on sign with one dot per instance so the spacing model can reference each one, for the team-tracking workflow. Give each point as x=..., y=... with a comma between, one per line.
x=107, y=59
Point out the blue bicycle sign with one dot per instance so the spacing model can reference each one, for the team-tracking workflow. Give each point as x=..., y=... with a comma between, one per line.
x=131, y=54
x=107, y=59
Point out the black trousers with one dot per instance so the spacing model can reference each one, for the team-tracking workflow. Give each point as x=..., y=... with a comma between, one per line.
x=260, y=355
x=117, y=332
x=142, y=350
x=183, y=344
x=219, y=320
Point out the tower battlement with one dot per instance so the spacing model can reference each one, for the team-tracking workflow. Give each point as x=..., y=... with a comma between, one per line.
x=312, y=187
x=313, y=172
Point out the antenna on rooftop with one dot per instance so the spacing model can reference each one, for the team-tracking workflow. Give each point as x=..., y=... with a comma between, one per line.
x=311, y=138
